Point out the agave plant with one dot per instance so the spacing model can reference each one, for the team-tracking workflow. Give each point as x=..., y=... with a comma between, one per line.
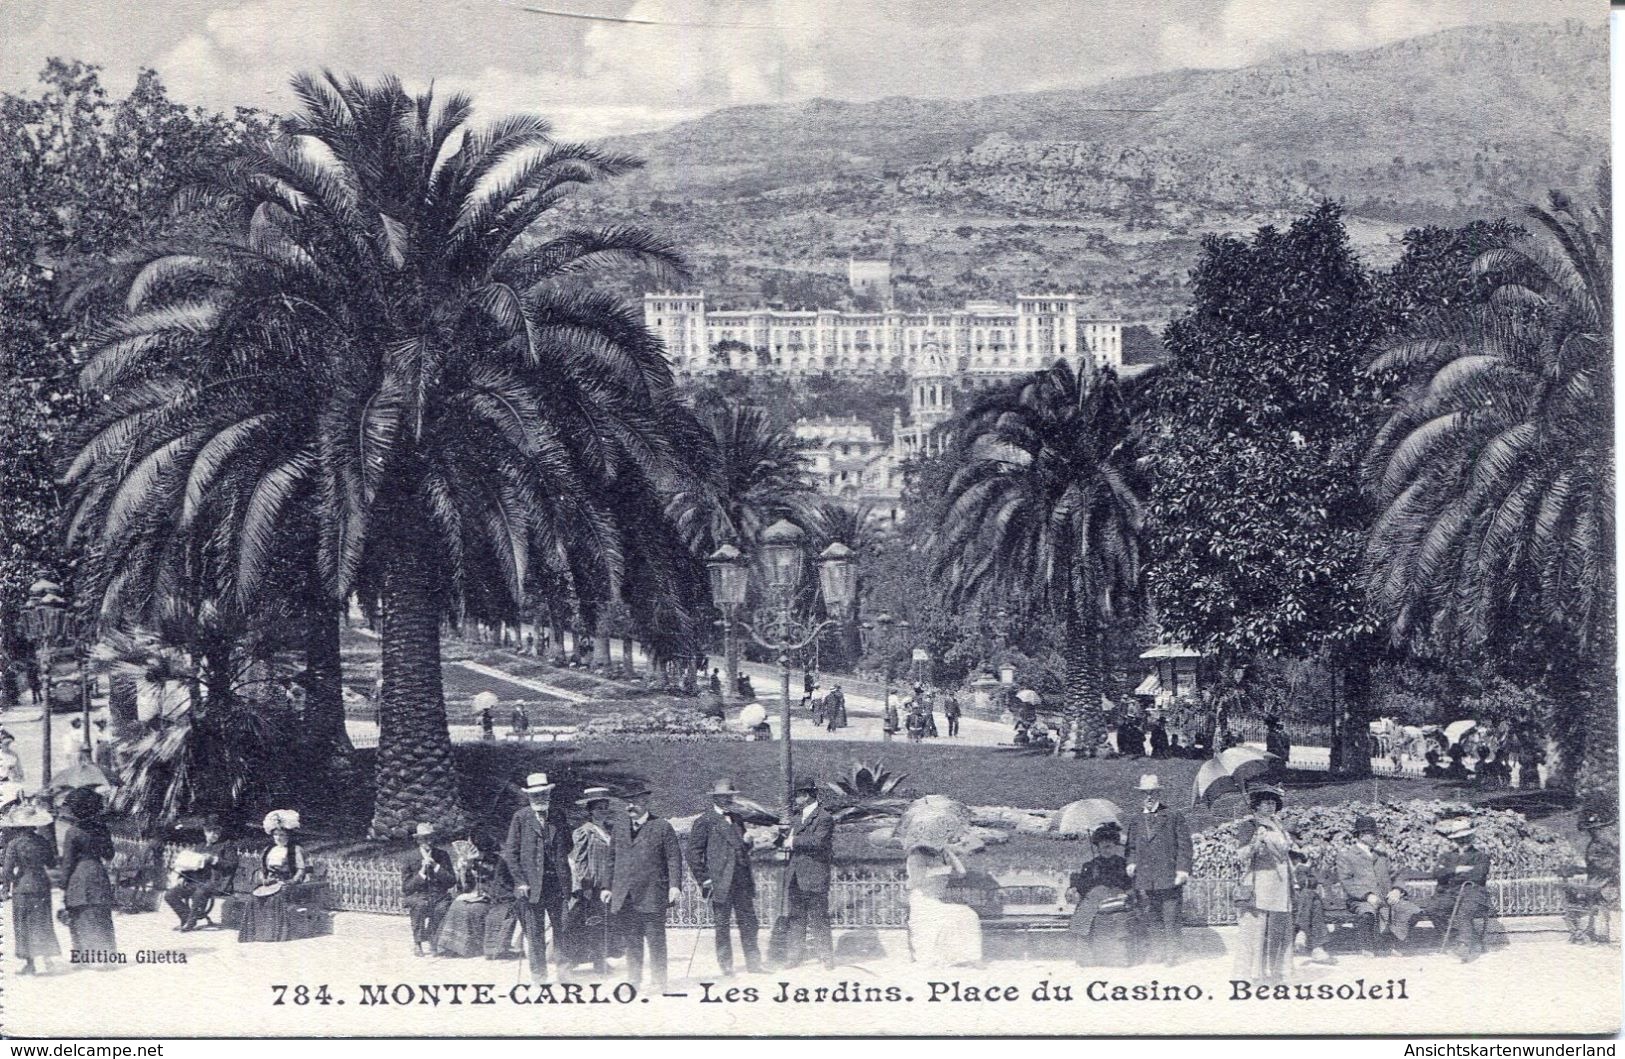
x=869, y=792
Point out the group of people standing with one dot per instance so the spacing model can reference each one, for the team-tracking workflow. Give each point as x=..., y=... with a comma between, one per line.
x=36, y=860
x=1285, y=900
x=602, y=889
x=918, y=717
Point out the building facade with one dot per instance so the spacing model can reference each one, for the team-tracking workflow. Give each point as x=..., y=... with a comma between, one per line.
x=977, y=344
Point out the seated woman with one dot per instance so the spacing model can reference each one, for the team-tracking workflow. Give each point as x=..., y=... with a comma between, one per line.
x=1102, y=891
x=282, y=868
x=463, y=930
x=940, y=933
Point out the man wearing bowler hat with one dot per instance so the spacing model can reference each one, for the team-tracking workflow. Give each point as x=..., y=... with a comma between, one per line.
x=1159, y=860
x=590, y=864
x=647, y=879
x=719, y=858
x=537, y=853
x=810, y=842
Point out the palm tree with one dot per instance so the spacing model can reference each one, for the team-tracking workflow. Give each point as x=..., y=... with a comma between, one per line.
x=1496, y=472
x=1046, y=502
x=461, y=386
x=758, y=475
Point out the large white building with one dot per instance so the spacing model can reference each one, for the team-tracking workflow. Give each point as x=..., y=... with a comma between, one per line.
x=980, y=343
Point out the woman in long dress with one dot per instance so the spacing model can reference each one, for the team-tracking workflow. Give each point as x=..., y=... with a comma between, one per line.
x=1264, y=896
x=940, y=933
x=87, y=889
x=282, y=866
x=25, y=882
x=1100, y=889
x=462, y=930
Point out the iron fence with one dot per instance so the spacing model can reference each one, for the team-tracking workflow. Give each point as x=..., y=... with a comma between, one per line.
x=867, y=894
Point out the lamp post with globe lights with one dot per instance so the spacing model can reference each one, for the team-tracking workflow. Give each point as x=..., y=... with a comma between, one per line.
x=46, y=620
x=785, y=620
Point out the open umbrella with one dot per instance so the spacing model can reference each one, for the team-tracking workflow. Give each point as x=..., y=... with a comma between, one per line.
x=1029, y=696
x=84, y=774
x=1456, y=731
x=753, y=813
x=1084, y=815
x=1228, y=772
x=935, y=821
x=485, y=700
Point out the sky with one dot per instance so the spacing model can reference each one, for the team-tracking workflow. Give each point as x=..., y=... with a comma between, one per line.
x=643, y=64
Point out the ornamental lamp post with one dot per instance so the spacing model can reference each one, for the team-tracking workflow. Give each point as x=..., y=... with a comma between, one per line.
x=728, y=592
x=45, y=620
x=779, y=624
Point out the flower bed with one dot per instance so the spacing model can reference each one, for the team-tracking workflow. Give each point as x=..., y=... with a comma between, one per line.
x=667, y=724
x=1516, y=847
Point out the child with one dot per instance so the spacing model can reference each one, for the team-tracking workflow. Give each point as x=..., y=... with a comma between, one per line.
x=1308, y=908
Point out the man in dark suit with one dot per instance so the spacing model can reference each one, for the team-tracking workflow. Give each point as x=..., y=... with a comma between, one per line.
x=190, y=897
x=719, y=858
x=1366, y=876
x=537, y=853
x=1159, y=859
x=810, y=842
x=426, y=882
x=647, y=879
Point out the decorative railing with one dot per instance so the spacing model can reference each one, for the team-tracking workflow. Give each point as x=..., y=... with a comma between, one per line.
x=873, y=895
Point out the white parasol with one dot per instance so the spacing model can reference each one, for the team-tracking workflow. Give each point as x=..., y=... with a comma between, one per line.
x=1029, y=696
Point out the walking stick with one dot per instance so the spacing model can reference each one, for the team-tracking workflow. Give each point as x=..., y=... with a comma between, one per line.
x=1450, y=924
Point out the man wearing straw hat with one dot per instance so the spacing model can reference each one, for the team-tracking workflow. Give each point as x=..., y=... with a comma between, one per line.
x=1159, y=860
x=719, y=858
x=1461, y=905
x=537, y=853
x=591, y=864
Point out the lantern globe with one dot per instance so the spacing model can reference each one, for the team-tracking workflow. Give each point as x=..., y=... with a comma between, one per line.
x=837, y=575
x=781, y=552
x=727, y=576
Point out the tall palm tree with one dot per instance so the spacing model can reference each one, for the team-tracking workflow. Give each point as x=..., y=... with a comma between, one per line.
x=462, y=385
x=758, y=475
x=1496, y=473
x=1046, y=502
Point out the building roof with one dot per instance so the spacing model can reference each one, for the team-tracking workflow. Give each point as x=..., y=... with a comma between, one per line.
x=1172, y=651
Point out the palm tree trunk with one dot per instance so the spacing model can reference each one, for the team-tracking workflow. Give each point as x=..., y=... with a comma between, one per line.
x=1082, y=651
x=1598, y=782
x=417, y=778
x=324, y=699
x=600, y=639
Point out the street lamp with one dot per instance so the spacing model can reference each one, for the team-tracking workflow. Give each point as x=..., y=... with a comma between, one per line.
x=45, y=620
x=779, y=624
x=728, y=591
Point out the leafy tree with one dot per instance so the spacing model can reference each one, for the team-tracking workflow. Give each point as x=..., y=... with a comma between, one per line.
x=462, y=403
x=1046, y=501
x=81, y=175
x=1496, y=472
x=1257, y=518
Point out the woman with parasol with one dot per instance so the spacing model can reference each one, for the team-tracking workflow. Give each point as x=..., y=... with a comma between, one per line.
x=941, y=933
x=462, y=928
x=1264, y=892
x=87, y=889
x=24, y=881
x=1102, y=891
x=282, y=865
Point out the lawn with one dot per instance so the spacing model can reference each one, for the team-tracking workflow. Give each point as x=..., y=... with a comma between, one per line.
x=681, y=774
